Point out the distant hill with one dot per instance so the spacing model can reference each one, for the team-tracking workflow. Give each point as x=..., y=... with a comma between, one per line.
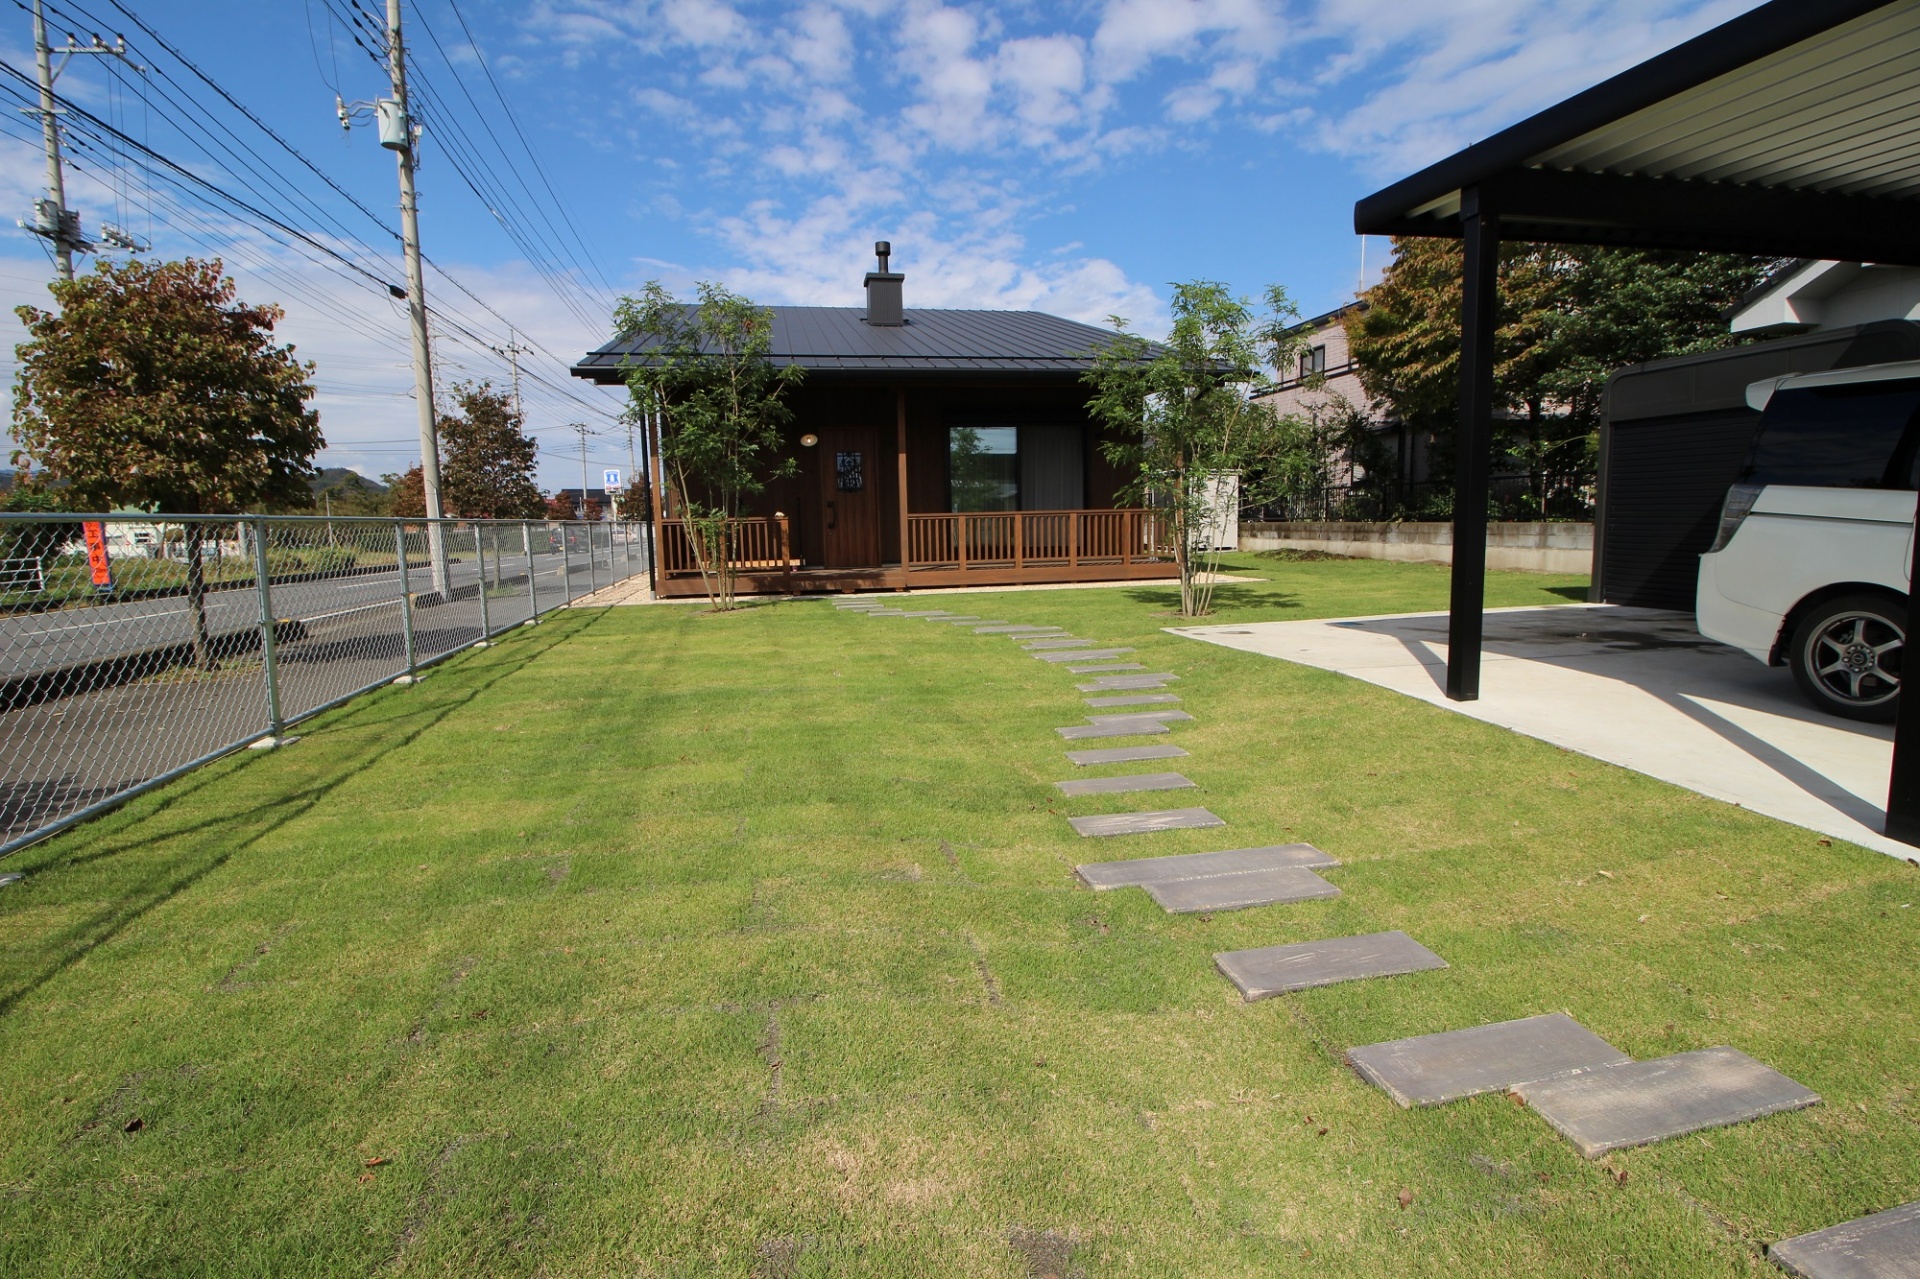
x=332, y=477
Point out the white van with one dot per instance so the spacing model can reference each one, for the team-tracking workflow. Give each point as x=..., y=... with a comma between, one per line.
x=1812, y=560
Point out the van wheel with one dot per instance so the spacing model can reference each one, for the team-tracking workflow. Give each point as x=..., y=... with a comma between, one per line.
x=1846, y=656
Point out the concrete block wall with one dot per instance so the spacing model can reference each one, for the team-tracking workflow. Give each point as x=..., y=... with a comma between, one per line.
x=1539, y=548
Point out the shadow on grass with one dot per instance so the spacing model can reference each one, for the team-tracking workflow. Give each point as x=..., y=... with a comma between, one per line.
x=235, y=830
x=1576, y=593
x=1227, y=595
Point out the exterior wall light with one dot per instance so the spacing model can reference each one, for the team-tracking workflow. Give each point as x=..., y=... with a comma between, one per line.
x=809, y=440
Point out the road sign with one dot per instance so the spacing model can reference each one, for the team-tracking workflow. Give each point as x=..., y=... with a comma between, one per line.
x=610, y=480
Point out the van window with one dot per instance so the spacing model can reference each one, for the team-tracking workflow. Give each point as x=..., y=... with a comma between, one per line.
x=1849, y=436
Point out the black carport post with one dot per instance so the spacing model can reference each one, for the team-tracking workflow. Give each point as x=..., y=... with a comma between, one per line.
x=1903, y=790
x=1472, y=445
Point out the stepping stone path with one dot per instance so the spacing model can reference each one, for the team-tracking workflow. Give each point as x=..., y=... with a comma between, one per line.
x=1430, y=1069
x=1118, y=683
x=1083, y=732
x=1118, y=666
x=1018, y=628
x=1137, y=699
x=1272, y=887
x=1275, y=970
x=1124, y=785
x=1141, y=871
x=1143, y=717
x=1635, y=1103
x=1123, y=755
x=1091, y=655
x=982, y=621
x=931, y=612
x=1143, y=823
x=1883, y=1246
x=954, y=619
x=884, y=612
x=1060, y=642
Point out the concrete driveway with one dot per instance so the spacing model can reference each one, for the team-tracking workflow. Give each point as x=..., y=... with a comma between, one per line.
x=1636, y=687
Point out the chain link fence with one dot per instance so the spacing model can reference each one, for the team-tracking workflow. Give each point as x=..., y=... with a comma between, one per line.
x=134, y=648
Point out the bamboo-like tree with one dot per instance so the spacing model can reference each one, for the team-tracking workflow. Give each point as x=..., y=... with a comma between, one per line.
x=706, y=367
x=154, y=386
x=1178, y=416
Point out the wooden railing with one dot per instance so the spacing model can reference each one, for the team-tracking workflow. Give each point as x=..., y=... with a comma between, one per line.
x=754, y=545
x=1034, y=539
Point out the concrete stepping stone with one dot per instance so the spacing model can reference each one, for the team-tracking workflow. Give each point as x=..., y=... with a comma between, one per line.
x=1275, y=970
x=954, y=619
x=1175, y=716
x=1082, y=732
x=1054, y=641
x=1635, y=1103
x=1143, y=823
x=1141, y=871
x=981, y=621
x=1123, y=785
x=1274, y=886
x=1430, y=1069
x=1124, y=754
x=1136, y=699
x=1116, y=666
x=1119, y=683
x=928, y=612
x=1090, y=655
x=1016, y=628
x=885, y=612
x=1883, y=1246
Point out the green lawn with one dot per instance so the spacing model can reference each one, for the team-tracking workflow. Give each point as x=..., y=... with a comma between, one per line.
x=656, y=943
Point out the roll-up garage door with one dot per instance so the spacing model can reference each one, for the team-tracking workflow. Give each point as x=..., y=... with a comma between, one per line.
x=1666, y=478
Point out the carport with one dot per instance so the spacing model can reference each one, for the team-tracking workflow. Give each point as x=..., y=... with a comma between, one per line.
x=1791, y=131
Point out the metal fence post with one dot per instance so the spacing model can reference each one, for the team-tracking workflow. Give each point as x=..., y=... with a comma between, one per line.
x=406, y=595
x=276, y=724
x=593, y=559
x=480, y=559
x=566, y=566
x=533, y=597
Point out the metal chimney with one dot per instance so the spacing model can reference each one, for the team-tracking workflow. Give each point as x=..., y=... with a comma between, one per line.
x=885, y=303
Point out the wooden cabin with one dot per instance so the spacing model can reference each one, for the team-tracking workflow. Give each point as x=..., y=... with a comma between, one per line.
x=936, y=448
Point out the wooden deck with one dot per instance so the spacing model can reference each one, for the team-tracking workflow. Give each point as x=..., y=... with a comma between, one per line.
x=995, y=548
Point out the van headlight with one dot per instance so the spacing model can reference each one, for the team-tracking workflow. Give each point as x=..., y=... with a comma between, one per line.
x=1733, y=512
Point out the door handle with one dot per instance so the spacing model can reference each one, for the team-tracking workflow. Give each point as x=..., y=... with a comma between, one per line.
x=833, y=516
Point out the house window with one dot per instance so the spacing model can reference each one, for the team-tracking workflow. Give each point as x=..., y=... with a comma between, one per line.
x=983, y=466
x=1313, y=360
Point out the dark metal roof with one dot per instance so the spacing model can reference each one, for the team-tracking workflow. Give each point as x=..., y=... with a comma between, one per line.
x=1790, y=131
x=838, y=339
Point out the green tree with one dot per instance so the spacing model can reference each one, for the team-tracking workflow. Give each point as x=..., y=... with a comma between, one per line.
x=1568, y=317
x=407, y=494
x=487, y=472
x=1178, y=417
x=153, y=386
x=722, y=406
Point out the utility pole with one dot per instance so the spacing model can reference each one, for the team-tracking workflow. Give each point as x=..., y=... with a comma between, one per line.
x=53, y=221
x=513, y=351
x=416, y=297
x=581, y=427
x=399, y=135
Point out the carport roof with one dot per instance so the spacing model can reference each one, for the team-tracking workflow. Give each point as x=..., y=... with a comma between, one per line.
x=1791, y=131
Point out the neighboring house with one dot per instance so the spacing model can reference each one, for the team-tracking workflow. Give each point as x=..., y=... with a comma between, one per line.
x=1325, y=381
x=1808, y=296
x=935, y=448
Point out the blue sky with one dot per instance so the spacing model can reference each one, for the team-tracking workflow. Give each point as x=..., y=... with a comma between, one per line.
x=1068, y=157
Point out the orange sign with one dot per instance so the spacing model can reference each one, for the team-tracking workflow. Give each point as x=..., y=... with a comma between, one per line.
x=97, y=557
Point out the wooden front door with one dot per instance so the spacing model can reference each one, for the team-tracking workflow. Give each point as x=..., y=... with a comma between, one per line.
x=850, y=496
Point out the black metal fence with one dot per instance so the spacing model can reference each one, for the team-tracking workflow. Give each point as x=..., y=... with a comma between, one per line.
x=134, y=648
